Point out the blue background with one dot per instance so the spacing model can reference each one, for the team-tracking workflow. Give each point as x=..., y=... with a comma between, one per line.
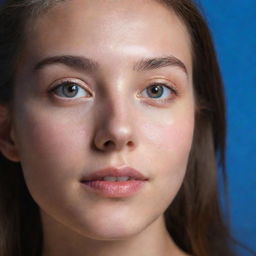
x=233, y=25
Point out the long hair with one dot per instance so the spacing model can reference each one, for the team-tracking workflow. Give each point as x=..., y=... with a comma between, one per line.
x=194, y=219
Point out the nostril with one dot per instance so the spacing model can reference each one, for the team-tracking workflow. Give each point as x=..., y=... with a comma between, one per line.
x=107, y=143
x=130, y=144
x=110, y=145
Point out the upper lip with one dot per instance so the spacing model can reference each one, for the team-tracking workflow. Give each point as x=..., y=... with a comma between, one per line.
x=115, y=172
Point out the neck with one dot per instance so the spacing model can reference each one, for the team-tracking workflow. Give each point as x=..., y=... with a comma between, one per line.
x=154, y=240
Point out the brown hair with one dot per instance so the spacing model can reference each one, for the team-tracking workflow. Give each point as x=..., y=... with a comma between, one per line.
x=194, y=219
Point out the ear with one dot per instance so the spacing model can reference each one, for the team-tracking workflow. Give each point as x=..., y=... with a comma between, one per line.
x=8, y=146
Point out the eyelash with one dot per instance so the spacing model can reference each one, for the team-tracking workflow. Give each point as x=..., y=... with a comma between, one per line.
x=62, y=84
x=172, y=89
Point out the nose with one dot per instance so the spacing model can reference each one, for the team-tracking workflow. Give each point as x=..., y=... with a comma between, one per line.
x=115, y=129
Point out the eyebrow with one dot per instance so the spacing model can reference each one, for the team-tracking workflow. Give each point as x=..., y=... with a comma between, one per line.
x=87, y=64
x=75, y=62
x=155, y=63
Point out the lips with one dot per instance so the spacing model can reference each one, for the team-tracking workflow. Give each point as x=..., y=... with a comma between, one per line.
x=114, y=182
x=115, y=172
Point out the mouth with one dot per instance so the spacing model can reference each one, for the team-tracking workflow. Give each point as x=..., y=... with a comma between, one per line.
x=114, y=182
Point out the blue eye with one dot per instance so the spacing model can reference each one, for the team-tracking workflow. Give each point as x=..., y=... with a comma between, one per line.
x=69, y=89
x=157, y=90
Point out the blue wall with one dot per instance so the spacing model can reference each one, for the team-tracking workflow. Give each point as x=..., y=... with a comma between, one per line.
x=233, y=23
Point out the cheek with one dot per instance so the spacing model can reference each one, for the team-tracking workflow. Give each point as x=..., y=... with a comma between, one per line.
x=172, y=145
x=52, y=150
x=171, y=142
x=174, y=135
x=47, y=142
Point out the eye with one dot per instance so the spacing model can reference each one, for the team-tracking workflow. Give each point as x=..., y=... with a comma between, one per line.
x=157, y=90
x=69, y=89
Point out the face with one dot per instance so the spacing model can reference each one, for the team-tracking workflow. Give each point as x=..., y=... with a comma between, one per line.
x=124, y=98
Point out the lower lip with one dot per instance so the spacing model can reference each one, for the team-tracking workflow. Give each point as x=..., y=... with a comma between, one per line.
x=114, y=188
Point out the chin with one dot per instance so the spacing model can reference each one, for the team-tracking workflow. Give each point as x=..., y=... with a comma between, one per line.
x=112, y=231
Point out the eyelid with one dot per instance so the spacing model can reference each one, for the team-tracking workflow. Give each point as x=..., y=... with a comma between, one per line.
x=62, y=81
x=167, y=84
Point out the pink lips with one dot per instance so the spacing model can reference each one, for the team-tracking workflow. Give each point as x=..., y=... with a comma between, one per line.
x=96, y=182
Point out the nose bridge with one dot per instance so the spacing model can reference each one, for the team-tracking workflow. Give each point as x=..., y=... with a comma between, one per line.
x=118, y=105
x=115, y=123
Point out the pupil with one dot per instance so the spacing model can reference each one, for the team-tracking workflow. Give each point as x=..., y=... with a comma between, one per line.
x=155, y=90
x=70, y=90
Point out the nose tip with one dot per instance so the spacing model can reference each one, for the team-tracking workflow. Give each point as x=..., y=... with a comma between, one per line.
x=115, y=124
x=115, y=139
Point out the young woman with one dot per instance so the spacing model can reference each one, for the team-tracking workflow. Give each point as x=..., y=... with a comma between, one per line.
x=112, y=126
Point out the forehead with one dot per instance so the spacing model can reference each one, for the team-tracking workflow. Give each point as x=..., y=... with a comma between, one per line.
x=100, y=28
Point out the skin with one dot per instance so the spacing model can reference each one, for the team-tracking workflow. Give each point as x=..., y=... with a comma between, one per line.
x=58, y=139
